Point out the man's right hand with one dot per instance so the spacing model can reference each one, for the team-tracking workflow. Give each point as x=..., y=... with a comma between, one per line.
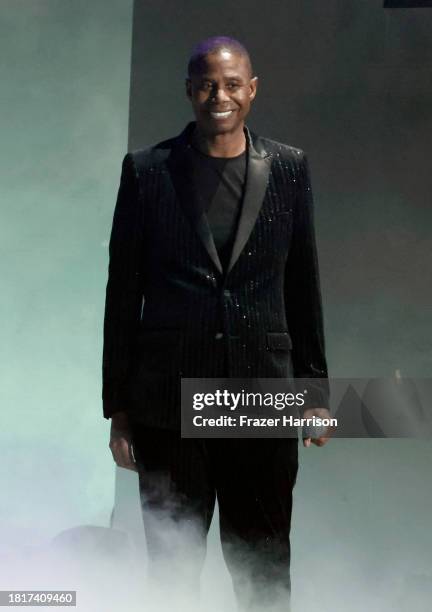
x=121, y=441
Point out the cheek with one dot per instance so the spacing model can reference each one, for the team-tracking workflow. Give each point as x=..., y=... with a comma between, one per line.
x=196, y=104
x=201, y=99
x=243, y=96
x=244, y=102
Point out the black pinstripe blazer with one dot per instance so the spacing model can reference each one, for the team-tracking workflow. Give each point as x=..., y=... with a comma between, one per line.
x=172, y=311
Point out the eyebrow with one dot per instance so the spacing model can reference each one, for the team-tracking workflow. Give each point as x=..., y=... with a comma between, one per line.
x=228, y=78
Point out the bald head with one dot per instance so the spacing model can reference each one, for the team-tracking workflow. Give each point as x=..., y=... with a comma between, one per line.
x=216, y=44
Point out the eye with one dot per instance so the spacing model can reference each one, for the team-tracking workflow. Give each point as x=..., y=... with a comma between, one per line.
x=205, y=85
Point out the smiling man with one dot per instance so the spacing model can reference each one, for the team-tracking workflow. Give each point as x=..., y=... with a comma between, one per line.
x=213, y=273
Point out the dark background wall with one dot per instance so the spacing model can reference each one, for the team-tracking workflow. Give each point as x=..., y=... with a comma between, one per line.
x=349, y=82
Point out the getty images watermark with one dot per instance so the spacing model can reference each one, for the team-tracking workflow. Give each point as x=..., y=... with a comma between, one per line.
x=236, y=401
x=276, y=407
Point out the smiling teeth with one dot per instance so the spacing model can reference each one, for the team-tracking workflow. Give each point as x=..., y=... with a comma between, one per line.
x=221, y=115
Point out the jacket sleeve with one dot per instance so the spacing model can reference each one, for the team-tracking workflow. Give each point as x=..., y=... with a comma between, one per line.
x=123, y=291
x=303, y=294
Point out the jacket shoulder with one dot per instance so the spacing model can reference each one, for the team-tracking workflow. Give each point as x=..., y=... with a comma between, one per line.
x=152, y=155
x=281, y=149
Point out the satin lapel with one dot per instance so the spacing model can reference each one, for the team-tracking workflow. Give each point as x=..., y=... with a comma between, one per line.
x=259, y=163
x=180, y=170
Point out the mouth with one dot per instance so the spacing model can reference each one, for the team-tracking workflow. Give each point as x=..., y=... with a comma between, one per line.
x=221, y=115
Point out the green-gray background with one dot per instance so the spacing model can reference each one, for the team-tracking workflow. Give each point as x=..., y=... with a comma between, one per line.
x=350, y=83
x=64, y=115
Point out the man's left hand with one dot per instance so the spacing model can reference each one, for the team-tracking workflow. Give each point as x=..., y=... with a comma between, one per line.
x=322, y=413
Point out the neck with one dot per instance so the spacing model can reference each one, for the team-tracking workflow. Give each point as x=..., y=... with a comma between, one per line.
x=228, y=144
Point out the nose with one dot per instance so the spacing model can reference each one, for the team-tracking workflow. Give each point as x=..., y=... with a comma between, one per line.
x=219, y=93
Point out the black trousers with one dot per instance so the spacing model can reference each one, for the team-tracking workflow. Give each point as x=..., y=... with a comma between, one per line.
x=253, y=480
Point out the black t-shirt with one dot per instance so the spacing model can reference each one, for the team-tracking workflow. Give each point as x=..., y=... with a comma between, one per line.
x=220, y=184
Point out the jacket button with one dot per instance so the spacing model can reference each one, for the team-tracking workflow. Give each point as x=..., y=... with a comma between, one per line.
x=219, y=335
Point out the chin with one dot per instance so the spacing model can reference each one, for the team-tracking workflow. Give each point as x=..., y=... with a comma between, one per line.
x=214, y=129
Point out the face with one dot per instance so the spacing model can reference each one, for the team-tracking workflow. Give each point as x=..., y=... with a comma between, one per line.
x=222, y=92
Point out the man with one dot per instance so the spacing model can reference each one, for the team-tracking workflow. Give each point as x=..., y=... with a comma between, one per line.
x=213, y=272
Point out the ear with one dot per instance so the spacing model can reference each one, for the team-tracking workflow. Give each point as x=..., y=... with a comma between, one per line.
x=188, y=86
x=253, y=87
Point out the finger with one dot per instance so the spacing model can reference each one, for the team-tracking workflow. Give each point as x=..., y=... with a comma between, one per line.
x=127, y=466
x=132, y=460
x=125, y=463
x=320, y=441
x=120, y=452
x=130, y=466
x=123, y=455
x=328, y=434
